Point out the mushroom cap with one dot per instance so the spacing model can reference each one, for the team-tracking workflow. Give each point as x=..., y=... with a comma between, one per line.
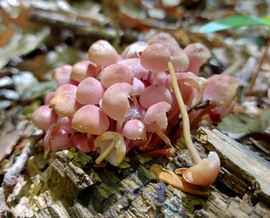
x=179, y=59
x=154, y=94
x=134, y=129
x=116, y=73
x=155, y=117
x=220, y=89
x=64, y=103
x=205, y=172
x=62, y=75
x=90, y=119
x=163, y=38
x=44, y=117
x=134, y=64
x=198, y=55
x=133, y=49
x=83, y=69
x=155, y=58
x=137, y=87
x=89, y=91
x=115, y=101
x=102, y=53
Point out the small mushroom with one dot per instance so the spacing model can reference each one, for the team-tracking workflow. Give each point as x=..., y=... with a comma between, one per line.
x=134, y=49
x=82, y=70
x=115, y=102
x=198, y=55
x=81, y=142
x=116, y=73
x=102, y=53
x=153, y=94
x=111, y=147
x=89, y=91
x=90, y=119
x=205, y=172
x=44, y=117
x=62, y=75
x=155, y=58
x=134, y=129
x=156, y=120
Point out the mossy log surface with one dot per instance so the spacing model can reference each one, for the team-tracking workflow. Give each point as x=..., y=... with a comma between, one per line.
x=67, y=185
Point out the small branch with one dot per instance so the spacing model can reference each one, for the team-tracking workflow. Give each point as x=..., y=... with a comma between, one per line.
x=255, y=75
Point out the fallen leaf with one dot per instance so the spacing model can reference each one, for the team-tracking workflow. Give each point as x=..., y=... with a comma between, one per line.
x=176, y=181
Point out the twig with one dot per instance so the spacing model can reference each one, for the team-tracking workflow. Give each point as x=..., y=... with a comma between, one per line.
x=255, y=75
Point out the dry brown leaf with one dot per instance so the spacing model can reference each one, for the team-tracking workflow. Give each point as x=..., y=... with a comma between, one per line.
x=176, y=181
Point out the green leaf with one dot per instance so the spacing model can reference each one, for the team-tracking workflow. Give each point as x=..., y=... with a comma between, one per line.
x=234, y=21
x=245, y=124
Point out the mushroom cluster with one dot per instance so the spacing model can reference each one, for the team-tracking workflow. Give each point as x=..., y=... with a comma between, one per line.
x=111, y=103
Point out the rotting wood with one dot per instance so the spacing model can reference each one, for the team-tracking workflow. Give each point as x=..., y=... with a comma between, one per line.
x=71, y=187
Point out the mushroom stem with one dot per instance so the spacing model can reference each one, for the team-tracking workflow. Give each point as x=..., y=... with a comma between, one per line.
x=163, y=136
x=105, y=153
x=90, y=141
x=119, y=126
x=186, y=126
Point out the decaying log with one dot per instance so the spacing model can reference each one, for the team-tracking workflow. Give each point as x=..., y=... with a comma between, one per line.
x=71, y=187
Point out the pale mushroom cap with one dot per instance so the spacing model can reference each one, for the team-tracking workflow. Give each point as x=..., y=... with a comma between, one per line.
x=115, y=101
x=154, y=94
x=156, y=118
x=62, y=75
x=179, y=59
x=44, y=117
x=90, y=119
x=64, y=103
x=132, y=50
x=221, y=89
x=205, y=172
x=83, y=69
x=90, y=91
x=134, y=129
x=134, y=64
x=163, y=38
x=116, y=73
x=102, y=53
x=155, y=58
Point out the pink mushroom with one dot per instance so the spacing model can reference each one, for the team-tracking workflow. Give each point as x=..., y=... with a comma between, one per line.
x=116, y=73
x=134, y=64
x=115, y=102
x=65, y=124
x=102, y=53
x=154, y=94
x=90, y=119
x=179, y=59
x=156, y=120
x=44, y=117
x=81, y=142
x=83, y=69
x=134, y=49
x=64, y=103
x=111, y=147
x=155, y=58
x=134, y=129
x=90, y=91
x=56, y=139
x=198, y=55
x=62, y=75
x=163, y=38
x=205, y=172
